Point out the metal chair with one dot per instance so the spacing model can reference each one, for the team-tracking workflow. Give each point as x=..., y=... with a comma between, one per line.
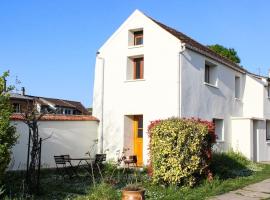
x=64, y=166
x=131, y=160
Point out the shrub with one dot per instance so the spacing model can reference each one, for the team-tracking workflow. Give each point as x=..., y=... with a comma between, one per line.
x=180, y=150
x=7, y=131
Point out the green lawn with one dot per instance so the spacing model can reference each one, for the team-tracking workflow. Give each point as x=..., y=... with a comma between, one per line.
x=230, y=173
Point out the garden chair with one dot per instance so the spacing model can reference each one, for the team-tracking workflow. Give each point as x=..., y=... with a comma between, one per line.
x=131, y=160
x=64, y=166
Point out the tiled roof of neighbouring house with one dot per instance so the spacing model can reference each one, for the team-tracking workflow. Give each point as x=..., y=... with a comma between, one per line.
x=202, y=49
x=52, y=101
x=51, y=117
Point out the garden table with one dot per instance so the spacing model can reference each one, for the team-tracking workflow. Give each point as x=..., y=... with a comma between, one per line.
x=88, y=162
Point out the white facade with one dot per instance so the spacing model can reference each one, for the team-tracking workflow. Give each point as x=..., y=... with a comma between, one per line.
x=173, y=84
x=66, y=137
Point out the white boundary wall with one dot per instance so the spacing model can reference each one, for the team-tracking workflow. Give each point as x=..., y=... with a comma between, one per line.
x=67, y=137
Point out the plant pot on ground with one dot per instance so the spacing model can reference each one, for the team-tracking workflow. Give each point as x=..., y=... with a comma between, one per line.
x=133, y=192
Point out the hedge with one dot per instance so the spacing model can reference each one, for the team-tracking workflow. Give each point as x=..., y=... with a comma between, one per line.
x=180, y=150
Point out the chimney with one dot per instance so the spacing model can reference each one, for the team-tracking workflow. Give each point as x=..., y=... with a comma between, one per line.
x=23, y=91
x=5, y=85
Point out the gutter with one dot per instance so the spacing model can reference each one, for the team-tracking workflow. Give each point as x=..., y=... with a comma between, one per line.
x=179, y=88
x=102, y=103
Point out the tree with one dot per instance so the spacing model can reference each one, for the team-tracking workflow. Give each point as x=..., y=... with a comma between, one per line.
x=8, y=135
x=229, y=53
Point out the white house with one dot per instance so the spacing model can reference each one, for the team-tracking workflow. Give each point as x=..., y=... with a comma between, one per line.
x=147, y=71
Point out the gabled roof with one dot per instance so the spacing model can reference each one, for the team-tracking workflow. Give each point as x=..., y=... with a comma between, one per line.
x=52, y=101
x=199, y=48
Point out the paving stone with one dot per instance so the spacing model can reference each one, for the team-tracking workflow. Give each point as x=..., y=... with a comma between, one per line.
x=233, y=196
x=249, y=193
x=263, y=186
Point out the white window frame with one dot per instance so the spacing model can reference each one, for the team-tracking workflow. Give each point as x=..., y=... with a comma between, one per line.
x=237, y=87
x=212, y=78
x=217, y=122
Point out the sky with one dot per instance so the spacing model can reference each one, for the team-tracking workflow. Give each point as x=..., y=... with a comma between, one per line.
x=49, y=46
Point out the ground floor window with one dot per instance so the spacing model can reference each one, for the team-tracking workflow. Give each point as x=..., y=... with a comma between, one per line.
x=267, y=129
x=219, y=129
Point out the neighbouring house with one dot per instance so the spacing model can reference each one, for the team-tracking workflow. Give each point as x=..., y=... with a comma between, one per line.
x=71, y=130
x=147, y=71
x=21, y=101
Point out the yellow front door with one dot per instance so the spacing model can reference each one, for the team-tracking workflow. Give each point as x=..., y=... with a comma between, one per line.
x=138, y=138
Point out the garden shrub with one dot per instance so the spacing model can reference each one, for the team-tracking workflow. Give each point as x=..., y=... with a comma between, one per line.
x=7, y=131
x=180, y=150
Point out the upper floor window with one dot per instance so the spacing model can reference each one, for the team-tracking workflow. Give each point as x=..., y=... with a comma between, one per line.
x=135, y=37
x=17, y=108
x=237, y=87
x=138, y=37
x=138, y=68
x=268, y=90
x=210, y=73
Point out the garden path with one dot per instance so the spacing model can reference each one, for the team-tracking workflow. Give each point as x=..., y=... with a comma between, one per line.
x=255, y=191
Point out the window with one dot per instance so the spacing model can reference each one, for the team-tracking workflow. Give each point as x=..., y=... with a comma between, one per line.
x=237, y=87
x=267, y=129
x=140, y=126
x=138, y=38
x=138, y=68
x=219, y=129
x=268, y=90
x=17, y=108
x=210, y=73
x=135, y=37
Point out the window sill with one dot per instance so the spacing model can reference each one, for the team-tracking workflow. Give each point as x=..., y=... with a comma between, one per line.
x=238, y=99
x=135, y=46
x=134, y=80
x=267, y=141
x=209, y=84
x=220, y=141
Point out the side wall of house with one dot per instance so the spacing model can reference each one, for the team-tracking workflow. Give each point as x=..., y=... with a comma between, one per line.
x=205, y=101
x=154, y=97
x=65, y=137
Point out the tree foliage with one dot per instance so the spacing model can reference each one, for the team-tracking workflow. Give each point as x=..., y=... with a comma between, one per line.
x=180, y=150
x=229, y=53
x=7, y=131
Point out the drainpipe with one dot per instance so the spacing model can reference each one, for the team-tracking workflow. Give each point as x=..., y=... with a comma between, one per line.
x=102, y=103
x=179, y=88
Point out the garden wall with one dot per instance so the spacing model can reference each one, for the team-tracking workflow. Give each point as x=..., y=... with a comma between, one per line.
x=72, y=135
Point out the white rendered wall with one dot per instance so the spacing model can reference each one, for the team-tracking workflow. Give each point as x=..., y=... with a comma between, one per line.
x=67, y=137
x=154, y=97
x=205, y=101
x=242, y=139
x=253, y=98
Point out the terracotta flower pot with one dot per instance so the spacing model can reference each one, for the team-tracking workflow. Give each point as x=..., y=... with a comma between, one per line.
x=133, y=195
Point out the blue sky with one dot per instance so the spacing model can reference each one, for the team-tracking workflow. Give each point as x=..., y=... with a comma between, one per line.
x=50, y=45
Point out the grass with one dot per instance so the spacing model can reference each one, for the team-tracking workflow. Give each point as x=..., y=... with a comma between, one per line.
x=232, y=171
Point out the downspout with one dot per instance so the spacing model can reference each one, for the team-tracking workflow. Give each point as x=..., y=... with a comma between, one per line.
x=179, y=88
x=102, y=104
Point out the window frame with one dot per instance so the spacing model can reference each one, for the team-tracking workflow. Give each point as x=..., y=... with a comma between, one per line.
x=211, y=73
x=17, y=109
x=237, y=87
x=267, y=137
x=137, y=35
x=141, y=75
x=222, y=133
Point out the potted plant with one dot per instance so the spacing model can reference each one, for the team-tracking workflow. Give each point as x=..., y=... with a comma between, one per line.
x=133, y=192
